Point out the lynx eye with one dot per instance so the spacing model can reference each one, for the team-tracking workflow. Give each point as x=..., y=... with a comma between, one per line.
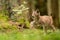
x=32, y=16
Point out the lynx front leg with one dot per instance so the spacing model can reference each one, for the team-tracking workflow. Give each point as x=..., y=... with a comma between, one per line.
x=32, y=25
x=44, y=29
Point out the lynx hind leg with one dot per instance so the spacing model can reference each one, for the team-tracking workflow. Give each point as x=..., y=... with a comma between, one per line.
x=53, y=28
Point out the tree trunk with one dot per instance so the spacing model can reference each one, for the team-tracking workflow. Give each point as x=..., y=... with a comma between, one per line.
x=55, y=14
x=49, y=7
x=59, y=12
x=31, y=8
x=8, y=7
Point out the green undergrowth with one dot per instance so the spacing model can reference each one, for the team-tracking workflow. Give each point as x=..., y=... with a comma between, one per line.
x=28, y=34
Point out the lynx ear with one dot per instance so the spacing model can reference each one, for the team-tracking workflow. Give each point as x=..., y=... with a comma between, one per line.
x=37, y=11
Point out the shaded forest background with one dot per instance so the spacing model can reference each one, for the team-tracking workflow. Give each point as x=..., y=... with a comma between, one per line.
x=20, y=11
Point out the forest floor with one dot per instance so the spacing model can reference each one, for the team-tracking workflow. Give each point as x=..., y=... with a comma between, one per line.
x=28, y=34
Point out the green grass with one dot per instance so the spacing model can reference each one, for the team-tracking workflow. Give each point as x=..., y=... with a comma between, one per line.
x=28, y=34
